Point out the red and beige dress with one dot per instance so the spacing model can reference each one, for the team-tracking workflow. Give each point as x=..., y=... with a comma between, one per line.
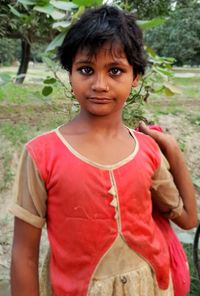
x=103, y=238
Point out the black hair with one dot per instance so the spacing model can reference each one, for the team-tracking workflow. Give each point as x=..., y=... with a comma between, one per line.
x=104, y=24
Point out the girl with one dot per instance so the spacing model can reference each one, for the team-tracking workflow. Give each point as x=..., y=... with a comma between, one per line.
x=90, y=179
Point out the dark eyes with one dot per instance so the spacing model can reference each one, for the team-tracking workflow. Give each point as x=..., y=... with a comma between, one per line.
x=115, y=71
x=85, y=70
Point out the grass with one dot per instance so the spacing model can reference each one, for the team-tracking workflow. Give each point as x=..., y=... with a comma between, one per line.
x=189, y=86
x=8, y=172
x=16, y=133
x=195, y=284
x=195, y=119
x=17, y=94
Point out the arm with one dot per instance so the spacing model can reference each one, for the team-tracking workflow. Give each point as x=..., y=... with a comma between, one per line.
x=182, y=179
x=24, y=263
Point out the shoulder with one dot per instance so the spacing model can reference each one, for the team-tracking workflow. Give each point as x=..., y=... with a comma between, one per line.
x=42, y=150
x=43, y=143
x=145, y=140
x=148, y=146
x=41, y=139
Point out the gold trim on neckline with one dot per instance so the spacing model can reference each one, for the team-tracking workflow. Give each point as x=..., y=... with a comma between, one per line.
x=93, y=163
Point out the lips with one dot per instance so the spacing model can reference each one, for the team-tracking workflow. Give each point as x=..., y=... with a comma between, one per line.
x=99, y=100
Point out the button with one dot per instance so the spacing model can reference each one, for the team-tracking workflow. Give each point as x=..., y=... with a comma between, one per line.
x=123, y=280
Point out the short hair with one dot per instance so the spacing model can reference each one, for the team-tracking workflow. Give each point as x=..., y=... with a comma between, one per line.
x=104, y=24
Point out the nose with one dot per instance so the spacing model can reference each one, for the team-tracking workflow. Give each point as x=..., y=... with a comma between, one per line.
x=100, y=83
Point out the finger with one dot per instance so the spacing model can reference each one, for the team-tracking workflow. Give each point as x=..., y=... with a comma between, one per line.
x=150, y=132
x=144, y=128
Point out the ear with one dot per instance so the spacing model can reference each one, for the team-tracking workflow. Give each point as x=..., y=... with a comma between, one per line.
x=135, y=80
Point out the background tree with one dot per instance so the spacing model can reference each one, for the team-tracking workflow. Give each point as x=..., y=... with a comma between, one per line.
x=179, y=36
x=147, y=9
x=20, y=21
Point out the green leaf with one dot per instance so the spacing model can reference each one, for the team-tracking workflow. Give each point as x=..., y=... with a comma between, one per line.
x=165, y=71
x=42, y=2
x=49, y=80
x=145, y=25
x=171, y=88
x=168, y=92
x=57, y=41
x=57, y=15
x=63, y=5
x=14, y=11
x=62, y=24
x=150, y=51
x=27, y=2
x=47, y=9
x=87, y=2
x=47, y=90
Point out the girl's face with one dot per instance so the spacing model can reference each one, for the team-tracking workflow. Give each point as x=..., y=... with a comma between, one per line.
x=102, y=83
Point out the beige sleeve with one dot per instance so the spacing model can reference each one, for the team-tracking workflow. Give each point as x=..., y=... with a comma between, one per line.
x=164, y=192
x=30, y=196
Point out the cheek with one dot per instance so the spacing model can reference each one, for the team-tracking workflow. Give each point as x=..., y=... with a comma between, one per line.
x=125, y=91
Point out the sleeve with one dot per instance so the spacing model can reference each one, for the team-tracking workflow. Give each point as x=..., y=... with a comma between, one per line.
x=29, y=193
x=165, y=195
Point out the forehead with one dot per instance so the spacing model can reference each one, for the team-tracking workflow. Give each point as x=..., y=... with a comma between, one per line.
x=109, y=50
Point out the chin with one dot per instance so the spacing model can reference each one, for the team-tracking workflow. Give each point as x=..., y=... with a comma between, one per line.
x=99, y=111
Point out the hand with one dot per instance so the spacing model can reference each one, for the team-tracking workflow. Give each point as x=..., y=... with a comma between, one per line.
x=166, y=142
x=181, y=175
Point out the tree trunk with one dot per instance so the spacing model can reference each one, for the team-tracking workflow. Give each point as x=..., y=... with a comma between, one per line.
x=25, y=57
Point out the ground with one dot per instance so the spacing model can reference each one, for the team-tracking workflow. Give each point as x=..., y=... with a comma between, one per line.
x=23, y=119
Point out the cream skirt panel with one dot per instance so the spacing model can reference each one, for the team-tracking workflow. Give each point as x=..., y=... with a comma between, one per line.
x=139, y=282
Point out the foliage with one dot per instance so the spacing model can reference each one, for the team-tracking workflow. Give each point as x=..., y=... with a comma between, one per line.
x=155, y=81
x=7, y=22
x=9, y=51
x=65, y=13
x=178, y=36
x=147, y=9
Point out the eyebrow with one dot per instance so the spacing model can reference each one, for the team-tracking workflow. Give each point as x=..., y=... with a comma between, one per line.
x=83, y=62
x=112, y=64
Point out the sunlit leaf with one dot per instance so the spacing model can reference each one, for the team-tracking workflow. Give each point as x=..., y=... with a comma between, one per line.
x=14, y=11
x=172, y=88
x=168, y=92
x=151, y=23
x=47, y=9
x=62, y=24
x=27, y=2
x=63, y=5
x=151, y=51
x=57, y=41
x=155, y=69
x=165, y=71
x=57, y=15
x=87, y=2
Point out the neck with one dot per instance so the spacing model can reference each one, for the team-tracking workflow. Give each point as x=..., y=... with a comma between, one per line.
x=100, y=124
